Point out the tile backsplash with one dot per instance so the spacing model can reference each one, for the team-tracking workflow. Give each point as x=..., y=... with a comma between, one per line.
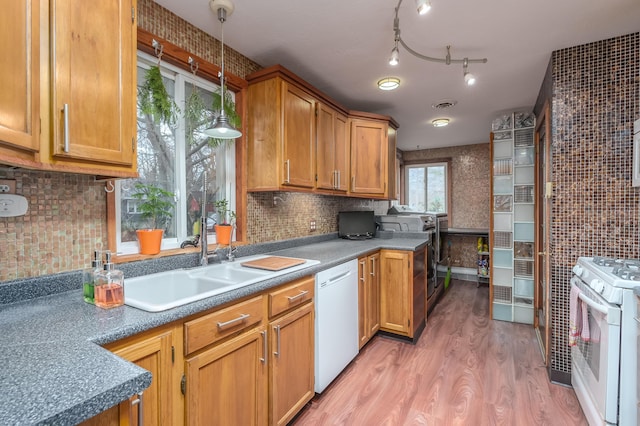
x=594, y=92
x=64, y=224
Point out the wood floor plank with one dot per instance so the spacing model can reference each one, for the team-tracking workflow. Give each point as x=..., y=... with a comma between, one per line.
x=465, y=370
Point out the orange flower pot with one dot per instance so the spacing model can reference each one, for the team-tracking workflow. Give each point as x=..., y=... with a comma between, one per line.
x=149, y=240
x=223, y=234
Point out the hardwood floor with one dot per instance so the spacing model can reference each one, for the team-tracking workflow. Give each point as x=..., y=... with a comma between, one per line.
x=464, y=370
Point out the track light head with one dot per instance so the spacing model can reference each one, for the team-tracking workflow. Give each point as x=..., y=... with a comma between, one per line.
x=469, y=78
x=395, y=55
x=423, y=6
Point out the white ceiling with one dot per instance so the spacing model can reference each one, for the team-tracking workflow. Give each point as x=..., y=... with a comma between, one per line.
x=342, y=47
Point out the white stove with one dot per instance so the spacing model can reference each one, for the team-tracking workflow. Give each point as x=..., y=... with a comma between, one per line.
x=605, y=359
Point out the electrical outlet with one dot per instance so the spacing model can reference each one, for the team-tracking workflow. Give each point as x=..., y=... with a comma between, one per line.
x=312, y=225
x=7, y=186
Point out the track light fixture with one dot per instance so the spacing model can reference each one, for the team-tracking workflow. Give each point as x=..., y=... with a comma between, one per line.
x=423, y=7
x=222, y=129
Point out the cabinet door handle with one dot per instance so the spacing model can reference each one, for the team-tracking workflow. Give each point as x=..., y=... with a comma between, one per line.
x=373, y=267
x=65, y=130
x=353, y=182
x=288, y=178
x=264, y=347
x=241, y=318
x=362, y=266
x=335, y=178
x=138, y=402
x=298, y=296
x=338, y=187
x=277, y=330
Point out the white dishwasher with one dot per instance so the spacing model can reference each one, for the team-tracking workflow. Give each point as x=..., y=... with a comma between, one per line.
x=336, y=342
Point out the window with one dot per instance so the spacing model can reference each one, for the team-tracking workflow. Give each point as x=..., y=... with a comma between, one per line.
x=177, y=158
x=427, y=187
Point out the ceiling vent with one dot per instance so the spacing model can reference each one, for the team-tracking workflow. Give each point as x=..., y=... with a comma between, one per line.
x=447, y=103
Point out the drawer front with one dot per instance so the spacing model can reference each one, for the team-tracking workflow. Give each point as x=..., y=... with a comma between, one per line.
x=290, y=296
x=210, y=328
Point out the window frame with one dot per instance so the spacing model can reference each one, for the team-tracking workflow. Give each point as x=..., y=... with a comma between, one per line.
x=183, y=59
x=426, y=163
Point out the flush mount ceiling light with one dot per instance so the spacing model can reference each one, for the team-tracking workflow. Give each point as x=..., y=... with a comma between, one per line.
x=222, y=129
x=440, y=122
x=423, y=7
x=389, y=83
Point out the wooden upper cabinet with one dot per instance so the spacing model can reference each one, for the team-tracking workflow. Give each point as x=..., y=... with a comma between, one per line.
x=332, y=149
x=281, y=136
x=299, y=139
x=93, y=75
x=369, y=157
x=298, y=142
x=19, y=75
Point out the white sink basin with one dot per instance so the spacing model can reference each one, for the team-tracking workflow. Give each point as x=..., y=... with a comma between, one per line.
x=166, y=290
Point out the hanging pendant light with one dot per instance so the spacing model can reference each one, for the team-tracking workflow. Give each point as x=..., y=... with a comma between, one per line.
x=222, y=129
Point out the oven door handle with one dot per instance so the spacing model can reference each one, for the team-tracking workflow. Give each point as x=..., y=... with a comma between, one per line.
x=611, y=315
x=598, y=307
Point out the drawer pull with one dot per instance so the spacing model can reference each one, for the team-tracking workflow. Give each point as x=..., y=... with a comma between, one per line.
x=235, y=321
x=297, y=297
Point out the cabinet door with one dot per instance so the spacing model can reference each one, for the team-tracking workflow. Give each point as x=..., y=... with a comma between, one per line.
x=93, y=75
x=363, y=302
x=298, y=121
x=19, y=74
x=368, y=157
x=373, y=302
x=341, y=127
x=291, y=374
x=226, y=385
x=325, y=142
x=395, y=295
x=154, y=355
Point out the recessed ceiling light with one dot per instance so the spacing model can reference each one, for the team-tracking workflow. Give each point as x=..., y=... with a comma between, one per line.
x=388, y=83
x=440, y=122
x=444, y=104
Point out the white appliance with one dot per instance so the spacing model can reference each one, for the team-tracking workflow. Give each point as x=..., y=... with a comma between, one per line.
x=637, y=291
x=636, y=153
x=336, y=309
x=604, y=366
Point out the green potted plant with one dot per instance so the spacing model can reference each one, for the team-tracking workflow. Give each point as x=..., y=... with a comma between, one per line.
x=156, y=206
x=224, y=227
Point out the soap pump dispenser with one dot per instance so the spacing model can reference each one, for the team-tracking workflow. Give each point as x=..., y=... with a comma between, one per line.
x=109, y=285
x=89, y=277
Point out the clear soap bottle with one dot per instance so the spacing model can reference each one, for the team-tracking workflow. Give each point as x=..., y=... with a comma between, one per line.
x=109, y=285
x=89, y=276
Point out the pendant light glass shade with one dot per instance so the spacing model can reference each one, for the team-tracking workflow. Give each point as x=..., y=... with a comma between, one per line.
x=222, y=129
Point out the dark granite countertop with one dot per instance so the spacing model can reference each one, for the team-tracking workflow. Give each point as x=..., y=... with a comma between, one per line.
x=55, y=372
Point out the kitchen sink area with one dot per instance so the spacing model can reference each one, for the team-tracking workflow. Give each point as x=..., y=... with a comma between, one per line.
x=165, y=290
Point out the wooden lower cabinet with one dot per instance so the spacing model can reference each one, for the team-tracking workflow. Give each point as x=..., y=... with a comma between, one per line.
x=237, y=368
x=227, y=384
x=291, y=373
x=402, y=294
x=368, y=297
x=155, y=352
